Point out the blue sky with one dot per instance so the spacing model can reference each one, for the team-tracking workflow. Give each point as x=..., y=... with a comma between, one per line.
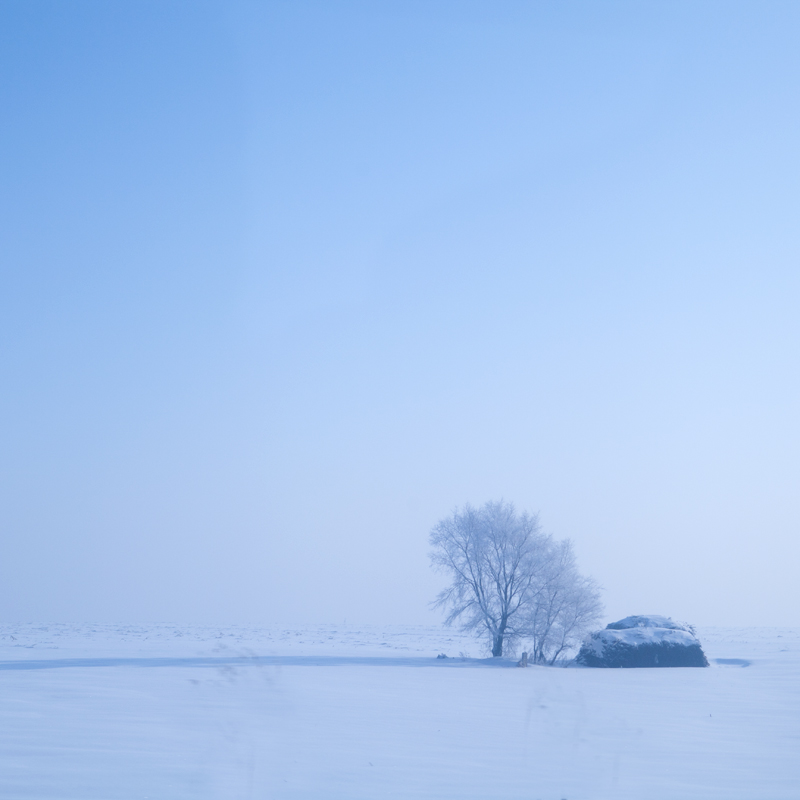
x=284, y=283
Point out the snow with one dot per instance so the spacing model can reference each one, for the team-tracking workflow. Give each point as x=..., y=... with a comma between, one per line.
x=634, y=637
x=171, y=711
x=648, y=621
x=643, y=641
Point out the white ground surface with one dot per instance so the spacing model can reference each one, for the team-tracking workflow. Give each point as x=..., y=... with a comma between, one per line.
x=169, y=711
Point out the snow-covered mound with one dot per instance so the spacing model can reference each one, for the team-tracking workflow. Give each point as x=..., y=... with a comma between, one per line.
x=648, y=621
x=643, y=641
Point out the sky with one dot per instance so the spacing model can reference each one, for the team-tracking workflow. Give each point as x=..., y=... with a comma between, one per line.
x=282, y=284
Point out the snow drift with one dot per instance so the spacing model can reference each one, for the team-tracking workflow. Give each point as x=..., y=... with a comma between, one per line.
x=643, y=641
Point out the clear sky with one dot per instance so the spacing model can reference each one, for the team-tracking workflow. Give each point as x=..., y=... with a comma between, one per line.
x=283, y=283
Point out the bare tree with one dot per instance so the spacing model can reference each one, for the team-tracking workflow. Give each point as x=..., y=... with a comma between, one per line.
x=509, y=581
x=566, y=607
x=495, y=559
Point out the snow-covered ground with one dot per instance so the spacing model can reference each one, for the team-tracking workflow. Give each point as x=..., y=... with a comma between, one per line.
x=171, y=711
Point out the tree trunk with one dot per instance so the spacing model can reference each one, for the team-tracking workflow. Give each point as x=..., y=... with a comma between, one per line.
x=497, y=645
x=499, y=635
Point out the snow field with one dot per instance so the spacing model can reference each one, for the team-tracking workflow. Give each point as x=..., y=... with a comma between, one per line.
x=400, y=730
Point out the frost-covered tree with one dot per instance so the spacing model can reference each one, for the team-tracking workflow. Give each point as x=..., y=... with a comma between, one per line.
x=566, y=607
x=509, y=581
x=495, y=559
